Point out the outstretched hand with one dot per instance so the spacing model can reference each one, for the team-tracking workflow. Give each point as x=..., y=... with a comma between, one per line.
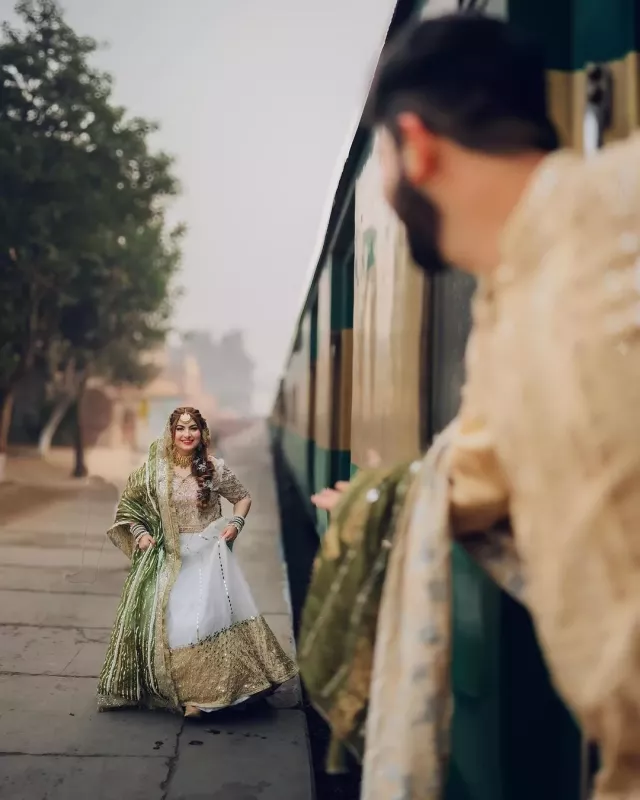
x=327, y=499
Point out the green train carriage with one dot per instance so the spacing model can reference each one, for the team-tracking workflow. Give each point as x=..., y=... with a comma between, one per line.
x=377, y=362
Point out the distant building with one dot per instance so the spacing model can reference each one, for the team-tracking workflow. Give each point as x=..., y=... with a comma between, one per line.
x=227, y=369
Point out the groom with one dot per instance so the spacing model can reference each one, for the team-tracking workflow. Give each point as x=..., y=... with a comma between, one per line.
x=548, y=430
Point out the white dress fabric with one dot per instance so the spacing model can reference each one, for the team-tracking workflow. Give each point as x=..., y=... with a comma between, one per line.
x=222, y=650
x=210, y=594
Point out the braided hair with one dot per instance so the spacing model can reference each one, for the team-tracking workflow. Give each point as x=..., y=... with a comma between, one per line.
x=202, y=468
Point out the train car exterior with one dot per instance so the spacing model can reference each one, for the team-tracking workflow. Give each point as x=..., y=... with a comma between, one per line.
x=377, y=363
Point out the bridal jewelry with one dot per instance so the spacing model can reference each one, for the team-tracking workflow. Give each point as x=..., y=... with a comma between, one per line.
x=181, y=459
x=238, y=521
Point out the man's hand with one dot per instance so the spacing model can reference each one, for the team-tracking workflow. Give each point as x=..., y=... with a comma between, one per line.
x=327, y=499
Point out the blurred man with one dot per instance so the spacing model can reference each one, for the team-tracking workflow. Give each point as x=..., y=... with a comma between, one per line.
x=548, y=431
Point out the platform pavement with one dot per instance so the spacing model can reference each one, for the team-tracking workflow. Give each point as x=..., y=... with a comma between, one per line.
x=60, y=581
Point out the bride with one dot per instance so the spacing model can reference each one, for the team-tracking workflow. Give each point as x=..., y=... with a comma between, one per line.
x=187, y=635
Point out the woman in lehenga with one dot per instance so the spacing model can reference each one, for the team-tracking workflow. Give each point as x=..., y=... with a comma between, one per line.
x=187, y=636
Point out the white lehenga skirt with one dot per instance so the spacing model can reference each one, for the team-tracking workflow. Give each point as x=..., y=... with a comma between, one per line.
x=222, y=650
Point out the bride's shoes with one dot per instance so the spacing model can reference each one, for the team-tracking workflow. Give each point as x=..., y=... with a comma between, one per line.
x=192, y=712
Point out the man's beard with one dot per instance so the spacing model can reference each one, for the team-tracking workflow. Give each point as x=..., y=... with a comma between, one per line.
x=422, y=221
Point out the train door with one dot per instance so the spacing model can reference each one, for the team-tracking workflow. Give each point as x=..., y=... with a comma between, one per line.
x=342, y=298
x=311, y=422
x=336, y=380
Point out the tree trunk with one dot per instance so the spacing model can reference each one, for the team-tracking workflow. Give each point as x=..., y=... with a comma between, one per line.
x=80, y=469
x=53, y=423
x=6, y=410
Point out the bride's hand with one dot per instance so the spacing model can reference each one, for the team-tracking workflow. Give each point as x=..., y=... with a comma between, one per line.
x=146, y=541
x=229, y=534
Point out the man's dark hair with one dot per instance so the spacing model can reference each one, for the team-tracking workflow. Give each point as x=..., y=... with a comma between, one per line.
x=473, y=79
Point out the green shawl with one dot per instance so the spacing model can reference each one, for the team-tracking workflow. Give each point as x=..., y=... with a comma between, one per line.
x=339, y=619
x=136, y=670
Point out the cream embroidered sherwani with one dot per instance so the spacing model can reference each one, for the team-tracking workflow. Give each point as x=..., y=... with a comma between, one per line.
x=549, y=432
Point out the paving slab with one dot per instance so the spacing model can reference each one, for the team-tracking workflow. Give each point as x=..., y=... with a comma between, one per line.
x=100, y=778
x=74, y=512
x=45, y=715
x=263, y=758
x=68, y=610
x=52, y=651
x=56, y=580
x=52, y=539
x=107, y=558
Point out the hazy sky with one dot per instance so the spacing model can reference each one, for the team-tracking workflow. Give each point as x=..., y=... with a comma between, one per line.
x=255, y=99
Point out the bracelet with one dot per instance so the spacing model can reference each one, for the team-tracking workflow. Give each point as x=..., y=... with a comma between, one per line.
x=238, y=521
x=138, y=531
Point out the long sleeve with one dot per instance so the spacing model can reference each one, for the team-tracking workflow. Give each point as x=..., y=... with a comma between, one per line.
x=559, y=379
x=479, y=494
x=586, y=572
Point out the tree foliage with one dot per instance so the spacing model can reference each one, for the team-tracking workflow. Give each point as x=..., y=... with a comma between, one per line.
x=87, y=261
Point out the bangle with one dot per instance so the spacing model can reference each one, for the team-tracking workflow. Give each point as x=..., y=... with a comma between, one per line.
x=238, y=521
x=138, y=531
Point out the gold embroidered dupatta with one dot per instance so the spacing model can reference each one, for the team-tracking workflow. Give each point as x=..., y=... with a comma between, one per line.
x=408, y=725
x=375, y=641
x=137, y=668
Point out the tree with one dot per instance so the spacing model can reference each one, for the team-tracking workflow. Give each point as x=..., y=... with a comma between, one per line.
x=81, y=193
x=47, y=103
x=121, y=312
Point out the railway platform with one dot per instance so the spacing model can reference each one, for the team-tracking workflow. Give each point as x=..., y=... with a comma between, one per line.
x=60, y=581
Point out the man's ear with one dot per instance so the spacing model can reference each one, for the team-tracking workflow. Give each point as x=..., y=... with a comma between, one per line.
x=418, y=149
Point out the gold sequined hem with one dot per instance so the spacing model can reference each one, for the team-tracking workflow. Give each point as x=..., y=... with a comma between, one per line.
x=236, y=663
x=115, y=703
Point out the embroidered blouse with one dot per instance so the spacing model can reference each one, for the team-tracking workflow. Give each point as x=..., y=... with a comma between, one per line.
x=184, y=498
